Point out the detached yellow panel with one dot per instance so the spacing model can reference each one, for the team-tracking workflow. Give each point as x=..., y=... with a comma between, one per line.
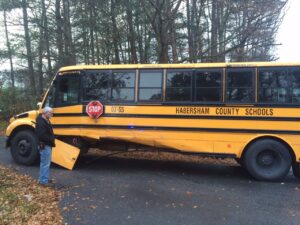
x=64, y=154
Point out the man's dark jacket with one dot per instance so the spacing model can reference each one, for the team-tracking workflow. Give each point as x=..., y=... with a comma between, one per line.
x=44, y=132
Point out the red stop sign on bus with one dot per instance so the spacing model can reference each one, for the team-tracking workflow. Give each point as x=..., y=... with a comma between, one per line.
x=94, y=109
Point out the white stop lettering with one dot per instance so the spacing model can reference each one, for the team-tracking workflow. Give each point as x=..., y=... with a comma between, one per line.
x=96, y=108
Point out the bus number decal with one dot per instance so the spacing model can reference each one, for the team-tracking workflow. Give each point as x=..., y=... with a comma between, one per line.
x=117, y=109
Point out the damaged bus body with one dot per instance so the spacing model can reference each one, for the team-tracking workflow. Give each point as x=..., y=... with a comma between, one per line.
x=247, y=111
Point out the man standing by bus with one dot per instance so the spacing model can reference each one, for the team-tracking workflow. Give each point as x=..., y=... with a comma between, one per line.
x=46, y=141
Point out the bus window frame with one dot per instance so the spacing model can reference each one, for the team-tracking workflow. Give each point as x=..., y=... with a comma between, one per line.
x=111, y=87
x=195, y=87
x=293, y=68
x=85, y=74
x=138, y=100
x=191, y=101
x=58, y=80
x=254, y=85
x=272, y=68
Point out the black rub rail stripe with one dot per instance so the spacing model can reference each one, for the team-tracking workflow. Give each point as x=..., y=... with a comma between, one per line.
x=69, y=114
x=185, y=117
x=176, y=128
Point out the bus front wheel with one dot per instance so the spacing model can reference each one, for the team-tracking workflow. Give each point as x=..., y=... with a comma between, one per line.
x=267, y=160
x=24, y=148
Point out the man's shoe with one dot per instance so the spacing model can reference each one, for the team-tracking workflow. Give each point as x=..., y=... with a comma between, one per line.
x=51, y=181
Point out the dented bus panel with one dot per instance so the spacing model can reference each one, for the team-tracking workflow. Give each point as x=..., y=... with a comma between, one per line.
x=64, y=154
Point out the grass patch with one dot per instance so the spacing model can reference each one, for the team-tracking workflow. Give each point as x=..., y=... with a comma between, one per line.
x=23, y=201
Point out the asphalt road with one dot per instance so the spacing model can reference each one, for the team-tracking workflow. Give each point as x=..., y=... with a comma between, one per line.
x=117, y=191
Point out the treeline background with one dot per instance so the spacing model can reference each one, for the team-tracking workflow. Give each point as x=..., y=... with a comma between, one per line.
x=39, y=36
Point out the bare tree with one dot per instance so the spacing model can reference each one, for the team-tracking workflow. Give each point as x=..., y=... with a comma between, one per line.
x=59, y=34
x=161, y=14
x=29, y=55
x=70, y=57
x=9, y=50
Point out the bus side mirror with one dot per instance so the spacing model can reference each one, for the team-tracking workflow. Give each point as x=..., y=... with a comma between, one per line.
x=39, y=104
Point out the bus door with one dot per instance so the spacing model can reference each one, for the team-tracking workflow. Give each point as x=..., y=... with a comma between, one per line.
x=65, y=97
x=67, y=106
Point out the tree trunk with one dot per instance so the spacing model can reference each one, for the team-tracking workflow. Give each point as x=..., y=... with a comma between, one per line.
x=59, y=34
x=131, y=33
x=47, y=42
x=40, y=63
x=189, y=29
x=97, y=48
x=69, y=46
x=222, y=32
x=92, y=28
x=140, y=34
x=114, y=32
x=163, y=47
x=214, y=32
x=28, y=49
x=12, y=73
x=173, y=42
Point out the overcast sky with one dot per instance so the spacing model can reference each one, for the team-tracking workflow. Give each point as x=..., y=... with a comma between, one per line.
x=289, y=34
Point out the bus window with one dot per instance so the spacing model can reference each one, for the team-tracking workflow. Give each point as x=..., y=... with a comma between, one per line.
x=68, y=90
x=274, y=85
x=208, y=86
x=239, y=85
x=96, y=85
x=179, y=85
x=123, y=85
x=295, y=84
x=150, y=85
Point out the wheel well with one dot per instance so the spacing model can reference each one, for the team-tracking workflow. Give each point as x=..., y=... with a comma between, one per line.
x=16, y=130
x=271, y=138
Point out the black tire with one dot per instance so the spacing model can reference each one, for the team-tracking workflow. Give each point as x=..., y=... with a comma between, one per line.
x=296, y=169
x=24, y=148
x=267, y=160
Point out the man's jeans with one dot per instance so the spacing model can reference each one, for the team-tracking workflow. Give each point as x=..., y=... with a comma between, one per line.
x=45, y=164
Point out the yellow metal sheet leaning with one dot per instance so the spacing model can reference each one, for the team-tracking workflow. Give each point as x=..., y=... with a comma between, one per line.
x=64, y=154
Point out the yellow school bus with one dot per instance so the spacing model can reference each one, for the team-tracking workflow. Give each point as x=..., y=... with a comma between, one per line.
x=246, y=111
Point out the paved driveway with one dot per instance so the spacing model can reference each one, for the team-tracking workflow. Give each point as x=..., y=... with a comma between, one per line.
x=116, y=191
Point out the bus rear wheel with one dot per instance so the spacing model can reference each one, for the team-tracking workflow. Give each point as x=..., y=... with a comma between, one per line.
x=296, y=169
x=267, y=160
x=24, y=148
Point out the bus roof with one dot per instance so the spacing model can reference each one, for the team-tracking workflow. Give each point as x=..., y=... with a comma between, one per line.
x=170, y=66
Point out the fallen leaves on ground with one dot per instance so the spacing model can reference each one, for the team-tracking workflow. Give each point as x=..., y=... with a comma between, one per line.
x=23, y=201
x=156, y=154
